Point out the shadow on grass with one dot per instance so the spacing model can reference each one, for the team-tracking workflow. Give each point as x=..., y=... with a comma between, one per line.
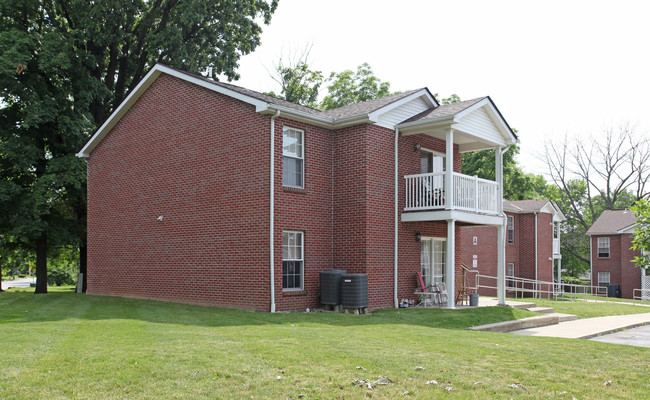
x=22, y=306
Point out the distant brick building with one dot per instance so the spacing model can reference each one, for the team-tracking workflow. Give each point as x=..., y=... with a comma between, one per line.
x=205, y=192
x=611, y=253
x=532, y=247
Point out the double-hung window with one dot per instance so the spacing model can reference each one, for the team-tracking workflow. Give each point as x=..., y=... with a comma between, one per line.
x=292, y=260
x=511, y=229
x=603, y=278
x=293, y=157
x=511, y=274
x=603, y=247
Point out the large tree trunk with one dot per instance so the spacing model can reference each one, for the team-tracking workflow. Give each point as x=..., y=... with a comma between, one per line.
x=41, y=264
x=83, y=263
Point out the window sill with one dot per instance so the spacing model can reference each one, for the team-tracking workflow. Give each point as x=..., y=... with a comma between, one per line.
x=286, y=292
x=293, y=190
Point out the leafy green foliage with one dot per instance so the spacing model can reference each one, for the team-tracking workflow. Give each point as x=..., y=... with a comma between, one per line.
x=299, y=84
x=350, y=87
x=641, y=237
x=64, y=67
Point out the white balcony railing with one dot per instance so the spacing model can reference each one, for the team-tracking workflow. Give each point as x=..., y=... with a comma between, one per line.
x=427, y=192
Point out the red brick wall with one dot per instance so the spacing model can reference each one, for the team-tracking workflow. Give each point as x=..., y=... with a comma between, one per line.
x=521, y=252
x=622, y=270
x=308, y=210
x=200, y=160
x=172, y=155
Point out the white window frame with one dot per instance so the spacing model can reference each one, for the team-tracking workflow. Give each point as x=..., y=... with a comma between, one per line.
x=602, y=281
x=288, y=259
x=511, y=229
x=287, y=155
x=603, y=246
x=432, y=255
x=511, y=273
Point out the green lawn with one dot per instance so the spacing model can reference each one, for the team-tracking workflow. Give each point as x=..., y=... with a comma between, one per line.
x=65, y=345
x=585, y=309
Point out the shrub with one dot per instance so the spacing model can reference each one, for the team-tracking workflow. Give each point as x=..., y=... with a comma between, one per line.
x=60, y=277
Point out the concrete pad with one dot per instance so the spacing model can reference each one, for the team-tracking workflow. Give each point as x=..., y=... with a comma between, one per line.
x=588, y=327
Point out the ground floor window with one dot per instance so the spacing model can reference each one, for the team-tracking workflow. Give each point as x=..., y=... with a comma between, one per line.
x=292, y=260
x=432, y=259
x=603, y=278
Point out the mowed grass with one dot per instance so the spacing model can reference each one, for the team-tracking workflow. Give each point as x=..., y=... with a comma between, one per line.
x=64, y=345
x=601, y=308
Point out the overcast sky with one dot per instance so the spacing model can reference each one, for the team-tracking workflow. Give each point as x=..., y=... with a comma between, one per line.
x=553, y=68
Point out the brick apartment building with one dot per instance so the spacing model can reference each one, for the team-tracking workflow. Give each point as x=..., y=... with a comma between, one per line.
x=208, y=193
x=611, y=253
x=532, y=248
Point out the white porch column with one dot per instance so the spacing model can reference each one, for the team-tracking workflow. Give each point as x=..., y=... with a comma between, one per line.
x=501, y=243
x=559, y=260
x=449, y=169
x=450, y=267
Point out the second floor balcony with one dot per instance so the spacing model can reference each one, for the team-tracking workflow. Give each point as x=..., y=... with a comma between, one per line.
x=427, y=192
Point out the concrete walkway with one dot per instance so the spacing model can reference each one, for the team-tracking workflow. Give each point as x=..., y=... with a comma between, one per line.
x=20, y=282
x=588, y=327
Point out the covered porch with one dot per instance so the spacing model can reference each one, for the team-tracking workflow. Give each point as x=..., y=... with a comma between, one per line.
x=440, y=193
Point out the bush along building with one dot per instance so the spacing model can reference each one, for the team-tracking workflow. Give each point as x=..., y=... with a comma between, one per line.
x=208, y=193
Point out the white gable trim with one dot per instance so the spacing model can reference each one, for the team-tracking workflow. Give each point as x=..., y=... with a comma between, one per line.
x=500, y=124
x=144, y=84
x=422, y=93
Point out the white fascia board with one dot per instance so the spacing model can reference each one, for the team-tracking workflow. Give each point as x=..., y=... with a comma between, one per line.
x=119, y=112
x=433, y=123
x=295, y=115
x=144, y=84
x=628, y=229
x=423, y=93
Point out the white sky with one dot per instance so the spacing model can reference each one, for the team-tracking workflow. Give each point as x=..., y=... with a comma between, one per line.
x=553, y=68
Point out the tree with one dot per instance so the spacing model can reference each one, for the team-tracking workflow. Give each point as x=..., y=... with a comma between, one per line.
x=605, y=173
x=65, y=66
x=350, y=87
x=298, y=83
x=641, y=236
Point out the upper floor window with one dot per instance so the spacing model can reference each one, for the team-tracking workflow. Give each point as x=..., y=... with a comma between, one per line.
x=511, y=273
x=603, y=247
x=293, y=157
x=511, y=229
x=431, y=162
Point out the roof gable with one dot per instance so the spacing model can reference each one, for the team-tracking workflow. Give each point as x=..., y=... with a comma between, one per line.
x=613, y=222
x=477, y=124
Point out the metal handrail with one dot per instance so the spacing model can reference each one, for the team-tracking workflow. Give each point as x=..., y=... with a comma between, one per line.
x=538, y=289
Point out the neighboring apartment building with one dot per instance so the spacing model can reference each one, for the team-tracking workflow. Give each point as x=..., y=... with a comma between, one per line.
x=532, y=248
x=611, y=253
x=205, y=192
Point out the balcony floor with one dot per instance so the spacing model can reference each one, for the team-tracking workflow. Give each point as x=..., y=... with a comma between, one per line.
x=456, y=215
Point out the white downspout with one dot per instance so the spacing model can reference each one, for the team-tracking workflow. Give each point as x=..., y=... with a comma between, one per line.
x=591, y=264
x=396, y=233
x=272, y=211
x=536, y=255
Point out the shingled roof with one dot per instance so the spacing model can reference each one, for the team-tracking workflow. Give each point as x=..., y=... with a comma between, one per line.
x=445, y=110
x=612, y=222
x=348, y=111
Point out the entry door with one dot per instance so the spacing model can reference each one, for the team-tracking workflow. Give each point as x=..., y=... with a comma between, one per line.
x=432, y=260
x=433, y=186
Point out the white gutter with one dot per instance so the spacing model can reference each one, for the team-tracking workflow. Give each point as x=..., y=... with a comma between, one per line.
x=272, y=211
x=396, y=224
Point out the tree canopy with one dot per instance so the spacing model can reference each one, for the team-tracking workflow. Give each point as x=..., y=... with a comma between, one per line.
x=301, y=85
x=65, y=65
x=641, y=237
